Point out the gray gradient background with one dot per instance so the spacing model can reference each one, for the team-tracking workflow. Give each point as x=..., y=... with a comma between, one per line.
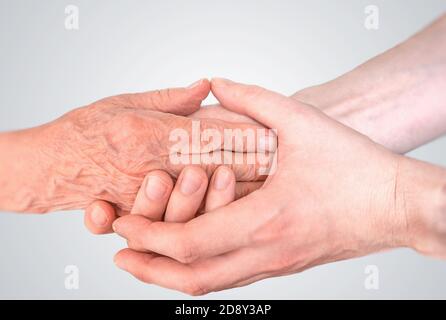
x=125, y=46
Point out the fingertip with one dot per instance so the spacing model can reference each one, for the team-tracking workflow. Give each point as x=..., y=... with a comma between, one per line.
x=192, y=179
x=217, y=82
x=99, y=217
x=226, y=92
x=158, y=185
x=153, y=196
x=221, y=189
x=199, y=171
x=187, y=195
x=125, y=225
x=222, y=178
x=121, y=257
x=200, y=89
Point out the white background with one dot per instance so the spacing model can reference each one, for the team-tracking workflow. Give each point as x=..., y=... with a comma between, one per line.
x=126, y=46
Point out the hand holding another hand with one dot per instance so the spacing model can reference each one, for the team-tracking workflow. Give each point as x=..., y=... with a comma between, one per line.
x=335, y=195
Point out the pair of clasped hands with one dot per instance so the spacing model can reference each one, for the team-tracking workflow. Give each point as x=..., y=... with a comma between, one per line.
x=334, y=194
x=337, y=186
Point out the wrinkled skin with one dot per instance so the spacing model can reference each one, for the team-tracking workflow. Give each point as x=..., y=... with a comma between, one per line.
x=103, y=151
x=113, y=148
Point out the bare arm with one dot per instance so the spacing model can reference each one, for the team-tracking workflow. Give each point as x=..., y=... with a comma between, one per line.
x=397, y=98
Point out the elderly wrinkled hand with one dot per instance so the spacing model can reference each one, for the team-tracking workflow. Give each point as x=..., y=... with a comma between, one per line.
x=103, y=151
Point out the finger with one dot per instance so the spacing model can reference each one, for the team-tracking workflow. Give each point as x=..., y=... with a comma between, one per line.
x=246, y=166
x=222, y=230
x=242, y=189
x=180, y=101
x=99, y=217
x=221, y=190
x=102, y=207
x=187, y=195
x=236, y=137
x=239, y=134
x=213, y=274
x=220, y=113
x=262, y=105
x=151, y=200
x=203, y=135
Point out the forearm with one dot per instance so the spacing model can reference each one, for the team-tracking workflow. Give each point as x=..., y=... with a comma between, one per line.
x=20, y=171
x=33, y=175
x=398, y=98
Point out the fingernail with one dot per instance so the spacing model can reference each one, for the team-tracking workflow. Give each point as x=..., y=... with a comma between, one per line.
x=115, y=226
x=190, y=182
x=195, y=84
x=222, y=178
x=98, y=217
x=155, y=188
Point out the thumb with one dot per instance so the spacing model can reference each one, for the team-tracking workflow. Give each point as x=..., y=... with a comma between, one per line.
x=179, y=101
x=269, y=108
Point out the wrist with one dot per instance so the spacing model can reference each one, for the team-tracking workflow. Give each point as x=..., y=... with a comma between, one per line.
x=39, y=171
x=398, y=103
x=366, y=112
x=21, y=172
x=421, y=197
x=67, y=180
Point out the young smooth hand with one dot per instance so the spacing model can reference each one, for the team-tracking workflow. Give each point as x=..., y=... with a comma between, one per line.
x=335, y=195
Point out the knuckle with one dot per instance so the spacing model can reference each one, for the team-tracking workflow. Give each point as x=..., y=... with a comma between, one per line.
x=186, y=253
x=155, y=99
x=129, y=122
x=125, y=99
x=194, y=288
x=284, y=262
x=160, y=98
x=195, y=291
x=80, y=112
x=167, y=94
